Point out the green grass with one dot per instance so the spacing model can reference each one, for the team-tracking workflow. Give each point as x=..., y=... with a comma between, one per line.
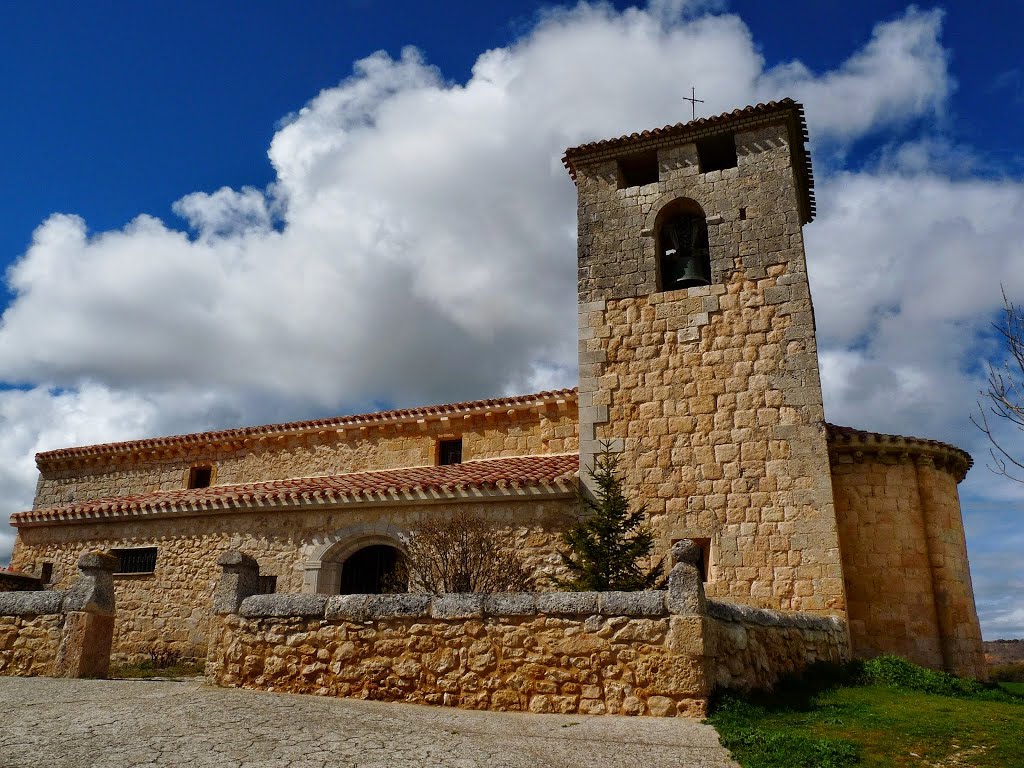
x=1017, y=688
x=882, y=713
x=147, y=669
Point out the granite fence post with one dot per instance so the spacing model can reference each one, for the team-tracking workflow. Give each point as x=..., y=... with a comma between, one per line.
x=88, y=632
x=685, y=585
x=685, y=600
x=239, y=579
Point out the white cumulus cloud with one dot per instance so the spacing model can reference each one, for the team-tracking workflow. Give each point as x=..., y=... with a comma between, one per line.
x=418, y=244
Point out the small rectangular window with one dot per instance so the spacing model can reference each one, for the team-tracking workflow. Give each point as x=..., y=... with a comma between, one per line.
x=141, y=560
x=46, y=573
x=637, y=170
x=200, y=477
x=716, y=153
x=449, y=451
x=268, y=585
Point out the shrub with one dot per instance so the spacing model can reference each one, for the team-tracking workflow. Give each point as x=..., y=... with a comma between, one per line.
x=897, y=672
x=462, y=553
x=606, y=545
x=1007, y=673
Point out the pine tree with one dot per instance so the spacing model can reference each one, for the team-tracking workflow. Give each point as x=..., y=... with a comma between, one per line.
x=607, y=543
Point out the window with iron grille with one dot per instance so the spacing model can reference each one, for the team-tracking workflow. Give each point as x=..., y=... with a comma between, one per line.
x=450, y=451
x=268, y=585
x=141, y=560
x=200, y=477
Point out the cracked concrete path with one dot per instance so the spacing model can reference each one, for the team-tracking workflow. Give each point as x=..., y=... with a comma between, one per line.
x=142, y=723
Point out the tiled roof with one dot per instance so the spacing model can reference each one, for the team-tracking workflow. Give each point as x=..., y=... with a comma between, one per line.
x=509, y=477
x=850, y=439
x=381, y=417
x=11, y=573
x=791, y=111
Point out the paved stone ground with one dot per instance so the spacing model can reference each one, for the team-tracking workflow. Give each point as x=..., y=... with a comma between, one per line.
x=132, y=724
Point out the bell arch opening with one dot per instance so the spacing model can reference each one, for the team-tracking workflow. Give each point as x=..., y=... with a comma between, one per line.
x=681, y=239
x=374, y=570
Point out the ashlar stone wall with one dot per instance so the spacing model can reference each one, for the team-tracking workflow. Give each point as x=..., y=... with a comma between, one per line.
x=544, y=430
x=905, y=557
x=169, y=610
x=712, y=394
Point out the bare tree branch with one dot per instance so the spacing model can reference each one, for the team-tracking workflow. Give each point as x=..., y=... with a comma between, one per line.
x=1004, y=397
x=463, y=553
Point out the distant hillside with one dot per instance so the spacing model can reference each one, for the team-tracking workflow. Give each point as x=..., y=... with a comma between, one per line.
x=1004, y=652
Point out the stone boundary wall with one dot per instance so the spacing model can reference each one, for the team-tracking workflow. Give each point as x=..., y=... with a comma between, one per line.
x=998, y=652
x=753, y=648
x=61, y=633
x=18, y=582
x=634, y=653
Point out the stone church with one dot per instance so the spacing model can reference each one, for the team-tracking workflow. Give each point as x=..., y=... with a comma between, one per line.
x=697, y=363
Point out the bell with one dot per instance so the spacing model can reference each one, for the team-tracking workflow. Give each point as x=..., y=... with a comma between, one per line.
x=696, y=270
x=685, y=260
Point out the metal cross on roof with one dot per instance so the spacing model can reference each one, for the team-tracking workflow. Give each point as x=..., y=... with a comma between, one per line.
x=693, y=102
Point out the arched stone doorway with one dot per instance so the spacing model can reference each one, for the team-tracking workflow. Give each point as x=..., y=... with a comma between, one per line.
x=373, y=570
x=359, y=559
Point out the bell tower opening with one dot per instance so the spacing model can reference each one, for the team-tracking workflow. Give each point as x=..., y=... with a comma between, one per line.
x=374, y=570
x=684, y=253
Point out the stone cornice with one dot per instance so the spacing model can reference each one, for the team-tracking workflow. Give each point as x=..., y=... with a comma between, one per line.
x=856, y=443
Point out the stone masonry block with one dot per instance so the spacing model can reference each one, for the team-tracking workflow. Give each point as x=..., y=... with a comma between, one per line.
x=93, y=591
x=567, y=603
x=510, y=604
x=388, y=606
x=685, y=590
x=39, y=603
x=283, y=605
x=457, y=606
x=648, y=603
x=779, y=294
x=353, y=607
x=240, y=579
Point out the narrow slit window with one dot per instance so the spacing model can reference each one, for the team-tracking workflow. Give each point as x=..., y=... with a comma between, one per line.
x=46, y=573
x=449, y=451
x=140, y=560
x=200, y=477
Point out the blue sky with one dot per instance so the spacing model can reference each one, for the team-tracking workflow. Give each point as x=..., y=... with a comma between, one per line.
x=231, y=213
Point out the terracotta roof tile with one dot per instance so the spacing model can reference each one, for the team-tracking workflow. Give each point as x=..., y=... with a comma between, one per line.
x=791, y=110
x=402, y=414
x=10, y=572
x=508, y=476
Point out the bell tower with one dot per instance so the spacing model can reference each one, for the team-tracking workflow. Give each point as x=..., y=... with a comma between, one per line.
x=697, y=352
